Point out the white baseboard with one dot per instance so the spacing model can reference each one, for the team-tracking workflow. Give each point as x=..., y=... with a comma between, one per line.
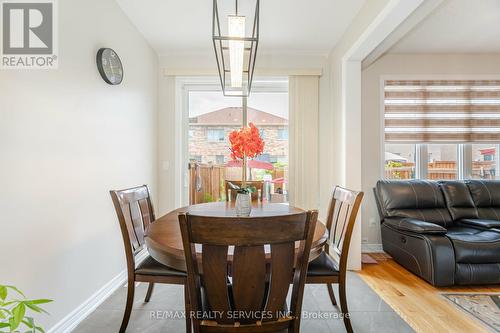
x=371, y=248
x=69, y=323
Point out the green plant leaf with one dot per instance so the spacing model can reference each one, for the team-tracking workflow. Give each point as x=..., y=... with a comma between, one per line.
x=10, y=302
x=17, y=315
x=16, y=290
x=39, y=301
x=27, y=323
x=233, y=186
x=3, y=292
x=7, y=311
x=11, y=324
x=35, y=308
x=13, y=316
x=30, y=322
x=207, y=197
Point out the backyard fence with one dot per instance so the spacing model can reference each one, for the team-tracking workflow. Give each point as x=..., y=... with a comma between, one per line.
x=440, y=170
x=206, y=181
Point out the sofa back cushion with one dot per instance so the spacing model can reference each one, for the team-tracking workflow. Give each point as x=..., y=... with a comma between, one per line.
x=419, y=199
x=486, y=197
x=458, y=199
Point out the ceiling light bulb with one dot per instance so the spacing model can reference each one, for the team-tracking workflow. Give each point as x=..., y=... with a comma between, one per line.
x=236, y=28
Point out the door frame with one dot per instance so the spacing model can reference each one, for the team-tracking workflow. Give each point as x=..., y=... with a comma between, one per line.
x=183, y=86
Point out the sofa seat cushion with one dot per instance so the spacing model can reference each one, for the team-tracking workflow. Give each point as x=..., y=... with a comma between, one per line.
x=323, y=265
x=481, y=223
x=149, y=266
x=474, y=246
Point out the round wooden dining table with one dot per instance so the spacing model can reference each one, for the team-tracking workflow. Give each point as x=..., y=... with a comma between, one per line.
x=164, y=241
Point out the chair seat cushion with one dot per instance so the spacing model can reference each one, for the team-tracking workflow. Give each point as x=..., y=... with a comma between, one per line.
x=474, y=246
x=149, y=266
x=323, y=265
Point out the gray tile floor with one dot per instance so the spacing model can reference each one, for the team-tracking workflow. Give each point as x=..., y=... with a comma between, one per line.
x=369, y=313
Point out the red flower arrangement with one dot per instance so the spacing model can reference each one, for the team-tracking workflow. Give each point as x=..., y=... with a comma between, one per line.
x=246, y=142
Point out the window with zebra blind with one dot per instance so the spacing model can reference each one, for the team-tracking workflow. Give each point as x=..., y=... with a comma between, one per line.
x=441, y=129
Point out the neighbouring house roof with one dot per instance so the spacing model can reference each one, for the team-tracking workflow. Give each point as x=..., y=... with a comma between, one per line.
x=234, y=116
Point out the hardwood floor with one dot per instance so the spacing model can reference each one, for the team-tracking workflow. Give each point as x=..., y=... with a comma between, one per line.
x=419, y=303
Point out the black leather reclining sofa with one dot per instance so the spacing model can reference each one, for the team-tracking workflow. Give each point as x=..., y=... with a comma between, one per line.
x=446, y=232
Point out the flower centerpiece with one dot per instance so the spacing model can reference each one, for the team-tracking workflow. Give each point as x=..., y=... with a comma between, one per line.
x=246, y=143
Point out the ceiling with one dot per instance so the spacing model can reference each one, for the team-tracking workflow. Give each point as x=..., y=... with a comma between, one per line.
x=457, y=26
x=185, y=26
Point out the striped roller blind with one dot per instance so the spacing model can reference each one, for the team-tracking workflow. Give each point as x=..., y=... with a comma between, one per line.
x=418, y=111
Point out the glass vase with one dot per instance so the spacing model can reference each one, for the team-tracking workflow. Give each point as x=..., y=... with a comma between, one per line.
x=243, y=204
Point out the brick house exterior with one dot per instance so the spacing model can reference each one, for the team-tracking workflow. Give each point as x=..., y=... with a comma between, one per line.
x=208, y=135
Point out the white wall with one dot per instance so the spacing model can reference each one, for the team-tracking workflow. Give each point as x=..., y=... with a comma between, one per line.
x=338, y=164
x=66, y=139
x=402, y=64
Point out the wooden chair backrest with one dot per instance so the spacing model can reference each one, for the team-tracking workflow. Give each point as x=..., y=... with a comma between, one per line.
x=135, y=212
x=248, y=284
x=258, y=184
x=342, y=213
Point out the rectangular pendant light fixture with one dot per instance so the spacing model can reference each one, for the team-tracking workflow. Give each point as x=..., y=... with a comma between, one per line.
x=234, y=51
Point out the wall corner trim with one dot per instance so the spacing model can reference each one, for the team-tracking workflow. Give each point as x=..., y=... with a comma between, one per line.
x=75, y=317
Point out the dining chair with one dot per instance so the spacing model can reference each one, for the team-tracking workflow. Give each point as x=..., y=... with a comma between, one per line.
x=135, y=212
x=254, y=282
x=258, y=184
x=331, y=265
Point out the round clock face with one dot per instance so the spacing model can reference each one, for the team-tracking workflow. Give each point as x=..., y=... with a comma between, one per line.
x=109, y=65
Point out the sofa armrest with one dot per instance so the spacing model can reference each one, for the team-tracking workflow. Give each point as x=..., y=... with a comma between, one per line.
x=481, y=223
x=414, y=225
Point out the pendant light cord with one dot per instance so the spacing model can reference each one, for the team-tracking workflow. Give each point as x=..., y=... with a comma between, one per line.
x=236, y=7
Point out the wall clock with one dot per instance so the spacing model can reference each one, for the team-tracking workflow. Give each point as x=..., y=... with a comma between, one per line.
x=109, y=66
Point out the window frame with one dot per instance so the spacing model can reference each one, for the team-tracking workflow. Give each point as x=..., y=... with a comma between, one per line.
x=497, y=158
x=464, y=159
x=464, y=150
x=219, y=130
x=280, y=131
x=217, y=158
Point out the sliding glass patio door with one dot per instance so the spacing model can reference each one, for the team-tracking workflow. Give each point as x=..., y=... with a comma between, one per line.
x=210, y=117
